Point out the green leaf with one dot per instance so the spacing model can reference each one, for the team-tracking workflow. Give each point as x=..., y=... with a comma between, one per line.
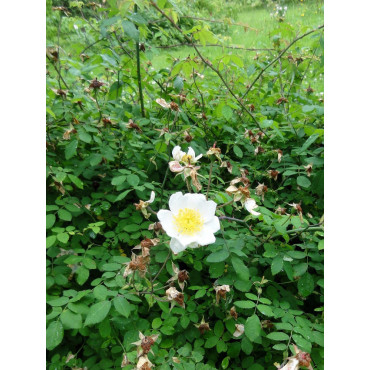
x=84, y=136
x=218, y=256
x=82, y=275
x=50, y=241
x=278, y=335
x=303, y=181
x=252, y=328
x=133, y=180
x=71, y=149
x=219, y=328
x=89, y=263
x=211, y=342
x=122, y=195
x=238, y=152
x=265, y=310
x=100, y=292
x=71, y=320
x=76, y=181
x=119, y=180
x=306, y=285
x=244, y=304
x=156, y=323
x=64, y=215
x=122, y=306
x=246, y=346
x=61, y=301
x=178, y=84
x=63, y=237
x=277, y=264
x=54, y=335
x=308, y=142
x=50, y=221
x=227, y=112
x=241, y=270
x=98, y=312
x=130, y=30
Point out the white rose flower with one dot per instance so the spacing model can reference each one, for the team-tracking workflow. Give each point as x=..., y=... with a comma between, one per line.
x=250, y=205
x=190, y=222
x=180, y=156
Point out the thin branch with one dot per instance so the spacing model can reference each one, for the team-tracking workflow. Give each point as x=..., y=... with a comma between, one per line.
x=59, y=74
x=209, y=64
x=138, y=72
x=164, y=263
x=214, y=45
x=278, y=57
x=209, y=179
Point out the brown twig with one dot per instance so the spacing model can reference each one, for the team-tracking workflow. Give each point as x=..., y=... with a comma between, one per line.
x=278, y=57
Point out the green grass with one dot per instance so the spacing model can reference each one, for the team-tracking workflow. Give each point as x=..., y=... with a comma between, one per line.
x=299, y=15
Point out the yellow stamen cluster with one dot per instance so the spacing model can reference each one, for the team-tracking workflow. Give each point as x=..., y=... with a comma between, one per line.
x=186, y=158
x=188, y=221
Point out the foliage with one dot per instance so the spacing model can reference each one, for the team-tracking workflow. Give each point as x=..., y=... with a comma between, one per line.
x=104, y=154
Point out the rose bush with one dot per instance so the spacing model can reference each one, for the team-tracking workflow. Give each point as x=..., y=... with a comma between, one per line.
x=157, y=257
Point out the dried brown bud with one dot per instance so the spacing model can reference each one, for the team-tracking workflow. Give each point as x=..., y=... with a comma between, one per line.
x=142, y=47
x=233, y=313
x=203, y=328
x=273, y=174
x=146, y=243
x=304, y=359
x=281, y=100
x=252, y=108
x=95, y=84
x=146, y=344
x=174, y=106
x=106, y=121
x=267, y=324
x=204, y=116
x=188, y=138
x=183, y=275
x=133, y=125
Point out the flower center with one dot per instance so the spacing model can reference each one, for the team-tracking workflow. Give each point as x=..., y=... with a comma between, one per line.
x=186, y=158
x=188, y=221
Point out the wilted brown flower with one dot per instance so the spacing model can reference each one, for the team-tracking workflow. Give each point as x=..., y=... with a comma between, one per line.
x=258, y=150
x=273, y=174
x=174, y=106
x=106, y=121
x=157, y=227
x=137, y=263
x=252, y=108
x=295, y=362
x=228, y=165
x=146, y=244
x=299, y=210
x=233, y=312
x=180, y=275
x=280, y=154
x=280, y=211
x=61, y=9
x=239, y=330
x=182, y=98
x=142, y=206
x=261, y=190
x=133, y=125
x=221, y=291
x=308, y=169
x=281, y=100
x=203, y=326
x=174, y=295
x=163, y=103
x=267, y=324
x=95, y=84
x=84, y=57
x=214, y=151
x=145, y=343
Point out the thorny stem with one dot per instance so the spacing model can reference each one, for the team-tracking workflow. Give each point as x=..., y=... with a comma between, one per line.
x=97, y=103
